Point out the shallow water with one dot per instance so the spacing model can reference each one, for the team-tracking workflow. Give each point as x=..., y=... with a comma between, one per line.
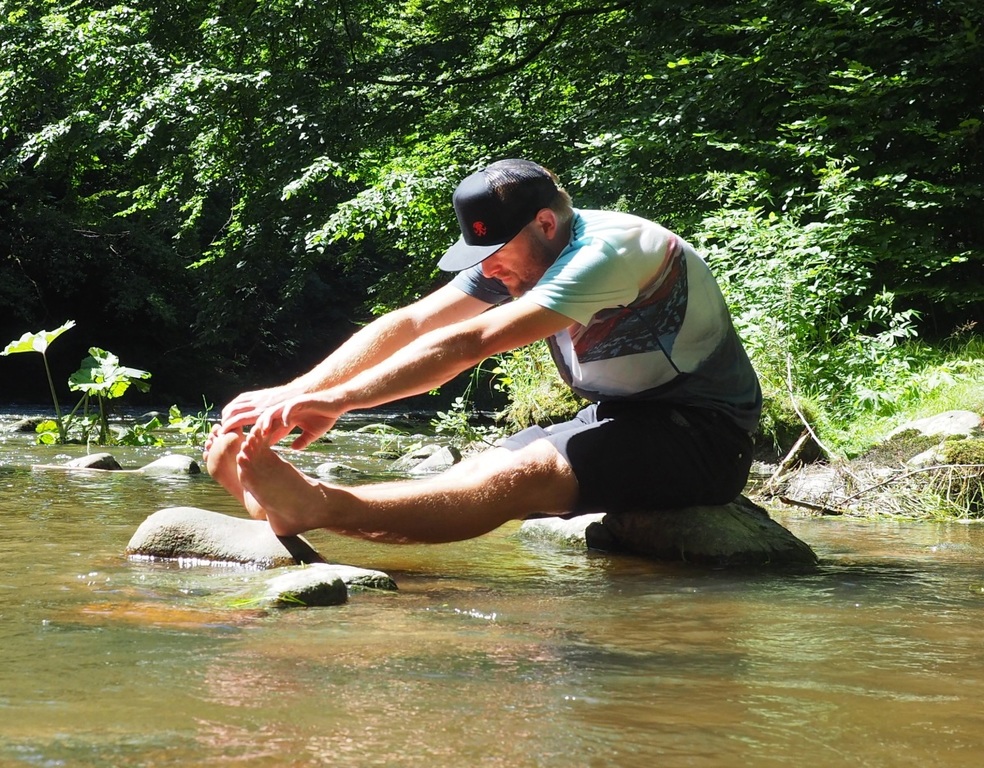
x=493, y=652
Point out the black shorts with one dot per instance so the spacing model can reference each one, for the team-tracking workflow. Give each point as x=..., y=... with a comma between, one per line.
x=645, y=455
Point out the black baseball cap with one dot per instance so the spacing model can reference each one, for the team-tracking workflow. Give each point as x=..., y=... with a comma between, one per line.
x=493, y=205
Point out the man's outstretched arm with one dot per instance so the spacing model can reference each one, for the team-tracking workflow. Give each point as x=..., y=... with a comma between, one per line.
x=420, y=366
x=366, y=348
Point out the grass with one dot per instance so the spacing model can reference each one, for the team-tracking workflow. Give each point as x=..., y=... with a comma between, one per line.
x=945, y=379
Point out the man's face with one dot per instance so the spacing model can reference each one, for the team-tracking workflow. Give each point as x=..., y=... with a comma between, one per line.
x=520, y=263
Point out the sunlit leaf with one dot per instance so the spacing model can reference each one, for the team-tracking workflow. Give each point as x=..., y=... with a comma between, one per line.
x=36, y=342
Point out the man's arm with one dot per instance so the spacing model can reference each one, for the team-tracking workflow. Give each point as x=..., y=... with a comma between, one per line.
x=363, y=350
x=419, y=366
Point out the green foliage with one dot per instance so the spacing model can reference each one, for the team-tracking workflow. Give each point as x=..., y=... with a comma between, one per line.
x=536, y=393
x=461, y=423
x=101, y=377
x=194, y=427
x=39, y=342
x=799, y=283
x=393, y=442
x=225, y=185
x=943, y=378
x=146, y=433
x=458, y=423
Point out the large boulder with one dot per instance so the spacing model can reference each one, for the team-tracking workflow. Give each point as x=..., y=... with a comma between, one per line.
x=737, y=534
x=948, y=423
x=189, y=533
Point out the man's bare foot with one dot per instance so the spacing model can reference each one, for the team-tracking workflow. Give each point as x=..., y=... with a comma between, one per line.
x=221, y=449
x=291, y=501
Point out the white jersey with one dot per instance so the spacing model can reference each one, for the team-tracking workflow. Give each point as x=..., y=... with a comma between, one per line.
x=648, y=318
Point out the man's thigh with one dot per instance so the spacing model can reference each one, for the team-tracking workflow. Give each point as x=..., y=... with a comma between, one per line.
x=632, y=455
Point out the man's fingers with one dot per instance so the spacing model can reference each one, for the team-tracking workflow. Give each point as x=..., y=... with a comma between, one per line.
x=237, y=422
x=303, y=441
x=270, y=428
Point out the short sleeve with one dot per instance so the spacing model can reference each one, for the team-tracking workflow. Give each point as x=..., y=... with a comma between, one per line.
x=473, y=283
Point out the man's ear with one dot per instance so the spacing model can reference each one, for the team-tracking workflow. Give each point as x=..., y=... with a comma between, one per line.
x=547, y=222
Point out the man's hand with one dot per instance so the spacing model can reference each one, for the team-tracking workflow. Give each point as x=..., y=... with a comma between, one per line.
x=313, y=414
x=246, y=408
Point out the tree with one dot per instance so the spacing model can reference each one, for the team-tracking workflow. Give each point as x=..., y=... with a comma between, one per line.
x=226, y=184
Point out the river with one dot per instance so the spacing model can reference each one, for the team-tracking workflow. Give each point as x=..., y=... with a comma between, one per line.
x=494, y=652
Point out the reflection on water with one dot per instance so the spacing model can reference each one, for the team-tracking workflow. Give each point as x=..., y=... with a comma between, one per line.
x=493, y=652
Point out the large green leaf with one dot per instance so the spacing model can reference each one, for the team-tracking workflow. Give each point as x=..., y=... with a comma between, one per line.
x=36, y=342
x=101, y=374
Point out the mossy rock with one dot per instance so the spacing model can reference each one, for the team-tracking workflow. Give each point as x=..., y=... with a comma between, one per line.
x=779, y=429
x=966, y=451
x=898, y=449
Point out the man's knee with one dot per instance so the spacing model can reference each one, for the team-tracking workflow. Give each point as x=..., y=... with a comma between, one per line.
x=546, y=474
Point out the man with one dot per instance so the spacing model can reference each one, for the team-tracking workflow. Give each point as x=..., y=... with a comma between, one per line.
x=636, y=324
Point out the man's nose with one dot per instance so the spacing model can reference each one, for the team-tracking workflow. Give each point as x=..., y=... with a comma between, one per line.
x=490, y=266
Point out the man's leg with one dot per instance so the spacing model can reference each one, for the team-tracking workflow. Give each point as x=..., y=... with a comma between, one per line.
x=472, y=498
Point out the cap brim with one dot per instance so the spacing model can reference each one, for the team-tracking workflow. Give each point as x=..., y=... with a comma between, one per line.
x=462, y=256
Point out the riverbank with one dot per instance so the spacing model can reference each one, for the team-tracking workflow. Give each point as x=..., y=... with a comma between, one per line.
x=931, y=468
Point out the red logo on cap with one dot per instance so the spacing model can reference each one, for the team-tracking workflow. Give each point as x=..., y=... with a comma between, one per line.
x=479, y=229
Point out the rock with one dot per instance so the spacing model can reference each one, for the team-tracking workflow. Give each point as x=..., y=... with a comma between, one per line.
x=94, y=461
x=737, y=534
x=438, y=461
x=198, y=534
x=426, y=459
x=332, y=470
x=815, y=483
x=929, y=458
x=172, y=464
x=964, y=423
x=360, y=578
x=567, y=532
x=413, y=457
x=901, y=475
x=27, y=424
x=300, y=587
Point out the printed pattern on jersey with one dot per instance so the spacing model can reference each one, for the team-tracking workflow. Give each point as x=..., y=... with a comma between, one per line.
x=648, y=324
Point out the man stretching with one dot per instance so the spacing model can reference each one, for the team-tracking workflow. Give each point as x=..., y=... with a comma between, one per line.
x=636, y=324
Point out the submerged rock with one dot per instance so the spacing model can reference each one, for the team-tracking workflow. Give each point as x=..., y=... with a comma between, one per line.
x=171, y=464
x=737, y=534
x=198, y=534
x=333, y=470
x=319, y=584
x=298, y=587
x=104, y=461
